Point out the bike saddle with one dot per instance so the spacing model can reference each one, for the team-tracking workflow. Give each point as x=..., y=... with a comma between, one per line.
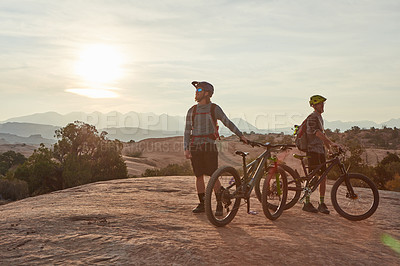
x=241, y=153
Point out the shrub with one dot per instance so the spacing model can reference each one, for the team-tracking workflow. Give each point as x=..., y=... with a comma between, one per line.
x=394, y=184
x=9, y=159
x=13, y=189
x=135, y=154
x=386, y=170
x=170, y=170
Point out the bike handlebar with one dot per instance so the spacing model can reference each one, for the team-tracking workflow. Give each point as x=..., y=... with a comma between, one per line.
x=336, y=154
x=269, y=145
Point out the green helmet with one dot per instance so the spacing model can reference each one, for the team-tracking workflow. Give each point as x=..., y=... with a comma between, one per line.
x=315, y=99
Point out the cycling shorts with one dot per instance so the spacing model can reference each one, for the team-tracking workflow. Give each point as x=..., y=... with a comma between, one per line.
x=204, y=159
x=314, y=160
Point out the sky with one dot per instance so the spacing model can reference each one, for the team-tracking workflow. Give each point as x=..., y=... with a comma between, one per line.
x=264, y=58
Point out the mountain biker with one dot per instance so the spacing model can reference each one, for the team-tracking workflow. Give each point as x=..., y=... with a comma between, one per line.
x=317, y=141
x=201, y=131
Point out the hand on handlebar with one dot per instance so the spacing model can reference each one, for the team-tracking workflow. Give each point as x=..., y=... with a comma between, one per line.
x=339, y=150
x=335, y=147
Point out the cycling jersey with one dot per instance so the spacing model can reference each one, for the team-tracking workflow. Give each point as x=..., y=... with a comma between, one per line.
x=315, y=123
x=204, y=125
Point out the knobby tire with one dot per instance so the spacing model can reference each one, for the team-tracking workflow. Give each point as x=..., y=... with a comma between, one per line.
x=274, y=202
x=360, y=206
x=294, y=186
x=228, y=177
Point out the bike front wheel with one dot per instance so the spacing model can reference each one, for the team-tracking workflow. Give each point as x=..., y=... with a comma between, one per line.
x=294, y=186
x=274, y=194
x=222, y=199
x=355, y=197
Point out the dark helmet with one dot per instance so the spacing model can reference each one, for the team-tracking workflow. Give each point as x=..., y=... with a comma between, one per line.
x=204, y=85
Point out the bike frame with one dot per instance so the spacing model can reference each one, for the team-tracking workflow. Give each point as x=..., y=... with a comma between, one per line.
x=254, y=170
x=312, y=185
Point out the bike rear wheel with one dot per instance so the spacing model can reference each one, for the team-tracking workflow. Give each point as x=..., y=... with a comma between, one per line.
x=355, y=197
x=274, y=194
x=222, y=189
x=294, y=186
x=258, y=185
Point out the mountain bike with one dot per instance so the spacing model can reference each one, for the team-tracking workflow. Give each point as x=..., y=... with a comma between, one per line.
x=354, y=196
x=226, y=188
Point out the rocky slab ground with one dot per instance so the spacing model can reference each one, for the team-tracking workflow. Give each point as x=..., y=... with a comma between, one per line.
x=148, y=221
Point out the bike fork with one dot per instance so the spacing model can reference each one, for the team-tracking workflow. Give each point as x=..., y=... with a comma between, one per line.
x=350, y=191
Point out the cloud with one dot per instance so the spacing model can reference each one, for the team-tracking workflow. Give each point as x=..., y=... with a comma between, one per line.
x=248, y=49
x=95, y=93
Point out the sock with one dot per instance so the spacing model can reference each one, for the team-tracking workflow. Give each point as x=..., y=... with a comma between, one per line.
x=321, y=199
x=201, y=197
x=307, y=199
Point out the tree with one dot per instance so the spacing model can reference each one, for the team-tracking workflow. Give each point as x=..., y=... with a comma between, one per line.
x=77, y=170
x=41, y=172
x=356, y=129
x=80, y=156
x=356, y=150
x=88, y=156
x=76, y=139
x=9, y=159
x=109, y=162
x=390, y=158
x=387, y=169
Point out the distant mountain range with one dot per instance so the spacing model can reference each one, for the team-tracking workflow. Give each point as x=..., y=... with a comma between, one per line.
x=343, y=126
x=36, y=139
x=38, y=128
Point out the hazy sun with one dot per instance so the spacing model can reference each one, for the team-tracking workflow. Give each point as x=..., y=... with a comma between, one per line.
x=99, y=67
x=99, y=64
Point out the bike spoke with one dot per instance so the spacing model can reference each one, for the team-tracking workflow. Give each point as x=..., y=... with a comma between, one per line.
x=221, y=200
x=274, y=195
x=356, y=199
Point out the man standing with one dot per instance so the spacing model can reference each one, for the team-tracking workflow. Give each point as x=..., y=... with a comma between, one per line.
x=317, y=141
x=201, y=131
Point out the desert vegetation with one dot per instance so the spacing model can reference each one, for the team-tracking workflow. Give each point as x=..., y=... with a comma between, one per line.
x=386, y=173
x=356, y=141
x=384, y=138
x=81, y=155
x=171, y=170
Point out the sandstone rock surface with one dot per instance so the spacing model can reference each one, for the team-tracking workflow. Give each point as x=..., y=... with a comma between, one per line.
x=148, y=221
